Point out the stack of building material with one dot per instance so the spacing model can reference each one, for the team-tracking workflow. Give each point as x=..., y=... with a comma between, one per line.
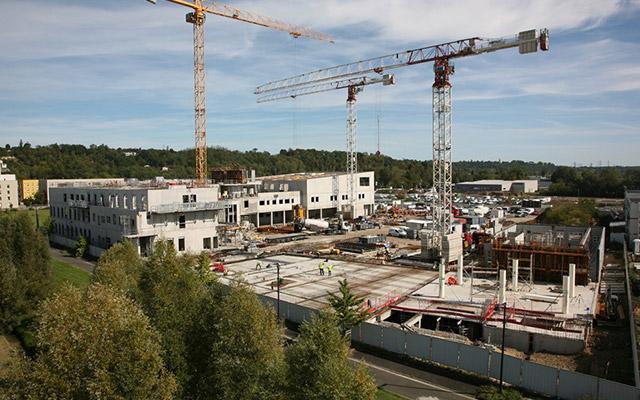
x=451, y=247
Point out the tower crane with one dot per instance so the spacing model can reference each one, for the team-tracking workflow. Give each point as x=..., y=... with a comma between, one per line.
x=197, y=17
x=353, y=86
x=440, y=55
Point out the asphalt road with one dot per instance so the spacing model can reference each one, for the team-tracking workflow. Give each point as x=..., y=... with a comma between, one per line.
x=413, y=383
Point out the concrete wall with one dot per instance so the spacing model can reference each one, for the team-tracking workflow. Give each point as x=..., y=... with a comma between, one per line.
x=632, y=215
x=519, y=340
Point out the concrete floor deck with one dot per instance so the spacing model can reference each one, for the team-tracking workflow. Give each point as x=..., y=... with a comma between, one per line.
x=303, y=284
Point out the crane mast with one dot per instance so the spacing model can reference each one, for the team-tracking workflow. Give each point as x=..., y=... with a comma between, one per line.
x=440, y=55
x=353, y=86
x=197, y=18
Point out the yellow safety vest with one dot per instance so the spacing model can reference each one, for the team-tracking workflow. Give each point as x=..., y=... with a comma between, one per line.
x=330, y=267
x=321, y=266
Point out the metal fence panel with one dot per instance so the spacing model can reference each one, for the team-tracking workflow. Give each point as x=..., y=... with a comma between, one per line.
x=512, y=366
x=617, y=391
x=418, y=345
x=444, y=352
x=574, y=385
x=474, y=359
x=393, y=339
x=539, y=378
x=371, y=334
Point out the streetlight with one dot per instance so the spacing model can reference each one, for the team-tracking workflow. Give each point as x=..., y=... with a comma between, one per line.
x=278, y=286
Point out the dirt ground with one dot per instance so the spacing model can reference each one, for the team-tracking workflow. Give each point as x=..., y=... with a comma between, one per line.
x=8, y=344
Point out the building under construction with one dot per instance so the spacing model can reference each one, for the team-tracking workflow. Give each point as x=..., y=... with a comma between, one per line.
x=544, y=252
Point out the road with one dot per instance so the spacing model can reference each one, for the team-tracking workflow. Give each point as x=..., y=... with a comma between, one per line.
x=63, y=255
x=413, y=383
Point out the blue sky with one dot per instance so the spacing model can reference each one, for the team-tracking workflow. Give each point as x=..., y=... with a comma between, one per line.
x=119, y=72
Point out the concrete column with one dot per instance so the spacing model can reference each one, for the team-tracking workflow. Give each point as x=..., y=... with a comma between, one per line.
x=502, y=291
x=514, y=276
x=271, y=218
x=441, y=279
x=460, y=269
x=572, y=281
x=565, y=294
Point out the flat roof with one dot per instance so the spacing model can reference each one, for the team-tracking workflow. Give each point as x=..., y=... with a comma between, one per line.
x=306, y=175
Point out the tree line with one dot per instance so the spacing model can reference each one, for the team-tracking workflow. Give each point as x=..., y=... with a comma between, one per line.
x=159, y=328
x=95, y=161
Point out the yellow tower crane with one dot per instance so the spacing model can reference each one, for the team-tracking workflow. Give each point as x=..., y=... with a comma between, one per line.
x=197, y=17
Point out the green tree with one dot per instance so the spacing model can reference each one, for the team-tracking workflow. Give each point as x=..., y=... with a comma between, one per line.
x=349, y=308
x=92, y=345
x=318, y=365
x=120, y=267
x=171, y=295
x=81, y=247
x=25, y=270
x=244, y=350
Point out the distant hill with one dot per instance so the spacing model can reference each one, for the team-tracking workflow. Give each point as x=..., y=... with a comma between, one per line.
x=77, y=161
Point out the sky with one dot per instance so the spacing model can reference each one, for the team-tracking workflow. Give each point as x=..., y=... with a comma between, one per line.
x=120, y=72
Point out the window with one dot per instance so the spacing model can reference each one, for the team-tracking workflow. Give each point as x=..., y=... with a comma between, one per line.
x=72, y=196
x=334, y=197
x=193, y=198
x=64, y=197
x=281, y=201
x=246, y=204
x=133, y=201
x=364, y=181
x=268, y=202
x=206, y=243
x=182, y=221
x=261, y=202
x=180, y=244
x=286, y=201
x=345, y=197
x=108, y=219
x=185, y=198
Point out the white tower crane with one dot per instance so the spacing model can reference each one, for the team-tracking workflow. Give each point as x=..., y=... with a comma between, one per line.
x=353, y=86
x=440, y=54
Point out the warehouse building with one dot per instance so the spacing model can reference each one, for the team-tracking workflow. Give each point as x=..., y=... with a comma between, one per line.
x=494, y=185
x=142, y=213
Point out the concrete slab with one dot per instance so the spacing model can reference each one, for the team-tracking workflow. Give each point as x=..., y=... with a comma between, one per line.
x=303, y=284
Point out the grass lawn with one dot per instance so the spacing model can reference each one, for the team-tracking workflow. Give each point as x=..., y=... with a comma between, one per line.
x=63, y=272
x=382, y=394
x=43, y=215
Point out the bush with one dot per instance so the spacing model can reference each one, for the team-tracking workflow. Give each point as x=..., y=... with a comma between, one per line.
x=491, y=392
x=81, y=247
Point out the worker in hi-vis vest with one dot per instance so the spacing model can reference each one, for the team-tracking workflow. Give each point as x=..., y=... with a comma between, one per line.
x=330, y=268
x=321, y=267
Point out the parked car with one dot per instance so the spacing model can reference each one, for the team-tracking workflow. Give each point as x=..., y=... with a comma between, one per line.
x=398, y=231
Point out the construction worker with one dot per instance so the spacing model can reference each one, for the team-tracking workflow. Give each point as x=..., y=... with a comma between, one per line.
x=330, y=268
x=321, y=267
x=258, y=265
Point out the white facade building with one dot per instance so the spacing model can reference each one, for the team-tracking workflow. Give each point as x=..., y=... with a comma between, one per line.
x=323, y=194
x=497, y=185
x=187, y=217
x=8, y=191
x=632, y=215
x=47, y=184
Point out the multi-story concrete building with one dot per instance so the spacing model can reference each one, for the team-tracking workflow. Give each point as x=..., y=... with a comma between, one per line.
x=47, y=184
x=187, y=217
x=28, y=188
x=632, y=215
x=324, y=194
x=8, y=191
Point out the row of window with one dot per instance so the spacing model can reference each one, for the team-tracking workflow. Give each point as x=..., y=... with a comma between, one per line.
x=271, y=202
x=333, y=197
x=112, y=200
x=83, y=216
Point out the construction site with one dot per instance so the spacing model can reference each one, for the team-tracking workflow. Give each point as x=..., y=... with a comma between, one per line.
x=455, y=269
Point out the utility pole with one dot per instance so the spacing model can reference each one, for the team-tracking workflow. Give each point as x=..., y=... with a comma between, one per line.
x=278, y=286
